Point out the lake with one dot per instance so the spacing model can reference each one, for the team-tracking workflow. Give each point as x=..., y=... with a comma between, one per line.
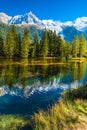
x=28, y=86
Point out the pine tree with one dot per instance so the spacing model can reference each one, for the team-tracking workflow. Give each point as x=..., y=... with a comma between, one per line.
x=54, y=44
x=62, y=48
x=18, y=46
x=25, y=45
x=1, y=46
x=75, y=47
x=44, y=44
x=59, y=46
x=36, y=48
x=50, y=43
x=82, y=46
x=67, y=50
x=10, y=44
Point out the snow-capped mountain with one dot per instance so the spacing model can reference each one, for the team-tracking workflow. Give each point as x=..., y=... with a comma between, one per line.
x=81, y=24
x=4, y=18
x=29, y=19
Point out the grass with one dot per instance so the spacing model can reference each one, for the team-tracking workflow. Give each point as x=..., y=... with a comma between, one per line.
x=11, y=122
x=56, y=118
x=69, y=114
x=40, y=61
x=77, y=59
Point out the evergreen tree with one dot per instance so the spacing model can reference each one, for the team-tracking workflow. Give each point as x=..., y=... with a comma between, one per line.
x=1, y=46
x=25, y=45
x=44, y=44
x=82, y=46
x=36, y=48
x=54, y=44
x=75, y=46
x=18, y=46
x=62, y=48
x=17, y=39
x=50, y=43
x=67, y=50
x=10, y=44
x=59, y=46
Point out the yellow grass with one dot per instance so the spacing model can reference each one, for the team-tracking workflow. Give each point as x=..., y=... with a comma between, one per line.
x=81, y=59
x=69, y=114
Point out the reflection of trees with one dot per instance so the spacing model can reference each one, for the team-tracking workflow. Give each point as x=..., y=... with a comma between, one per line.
x=9, y=78
x=74, y=71
x=25, y=74
x=2, y=74
x=78, y=71
x=7, y=75
x=61, y=69
x=81, y=70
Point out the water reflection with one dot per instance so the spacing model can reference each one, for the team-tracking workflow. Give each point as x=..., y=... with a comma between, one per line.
x=25, y=88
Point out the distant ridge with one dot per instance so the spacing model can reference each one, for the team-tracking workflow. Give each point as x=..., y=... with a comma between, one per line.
x=69, y=28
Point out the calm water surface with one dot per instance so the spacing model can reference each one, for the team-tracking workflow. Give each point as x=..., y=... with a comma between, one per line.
x=26, y=88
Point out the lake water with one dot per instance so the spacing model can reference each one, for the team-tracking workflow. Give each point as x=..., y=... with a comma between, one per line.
x=29, y=86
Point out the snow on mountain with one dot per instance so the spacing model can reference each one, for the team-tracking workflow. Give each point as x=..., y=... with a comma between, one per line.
x=81, y=24
x=27, y=19
x=4, y=18
x=68, y=23
x=31, y=19
x=53, y=25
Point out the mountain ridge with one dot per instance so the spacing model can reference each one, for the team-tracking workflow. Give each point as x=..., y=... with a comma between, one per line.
x=31, y=19
x=75, y=27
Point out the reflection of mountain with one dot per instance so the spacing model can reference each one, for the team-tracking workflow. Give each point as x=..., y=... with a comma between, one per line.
x=26, y=91
x=24, y=81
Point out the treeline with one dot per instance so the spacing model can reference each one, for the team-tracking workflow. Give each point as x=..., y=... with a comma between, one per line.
x=50, y=45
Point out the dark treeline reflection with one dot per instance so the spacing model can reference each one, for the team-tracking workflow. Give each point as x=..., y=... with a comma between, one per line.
x=25, y=74
x=27, y=86
x=78, y=71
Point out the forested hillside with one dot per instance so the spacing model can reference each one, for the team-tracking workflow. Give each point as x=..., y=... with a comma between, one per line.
x=31, y=42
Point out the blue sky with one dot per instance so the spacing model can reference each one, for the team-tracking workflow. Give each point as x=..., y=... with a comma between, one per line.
x=63, y=10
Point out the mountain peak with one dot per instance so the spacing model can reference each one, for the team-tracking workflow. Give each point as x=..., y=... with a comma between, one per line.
x=30, y=19
x=30, y=13
x=66, y=29
x=81, y=23
x=4, y=18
